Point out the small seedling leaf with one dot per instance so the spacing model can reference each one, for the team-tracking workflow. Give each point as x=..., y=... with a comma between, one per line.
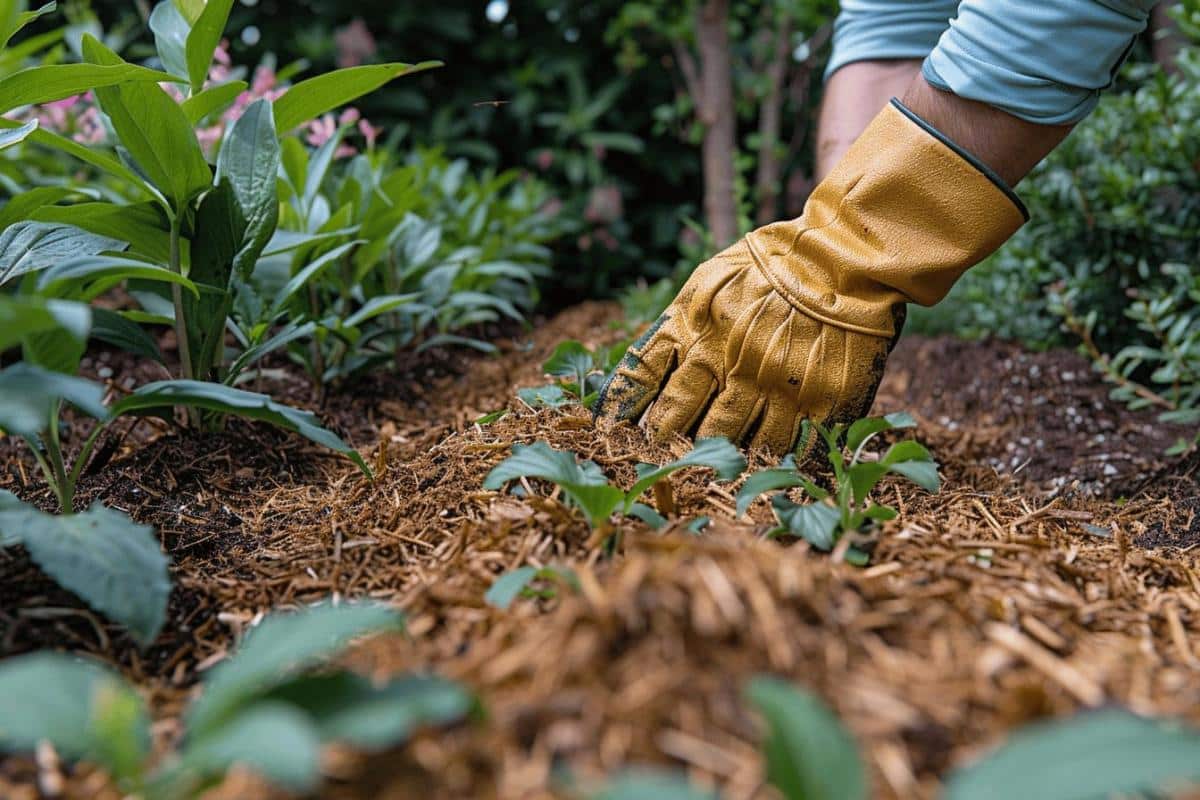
x=572, y=360
x=348, y=708
x=864, y=429
x=648, y=515
x=922, y=473
x=509, y=586
x=276, y=740
x=863, y=477
x=84, y=710
x=810, y=755
x=280, y=648
x=548, y=396
x=1098, y=754
x=816, y=522
x=716, y=453
x=583, y=483
x=645, y=784
x=784, y=476
x=908, y=450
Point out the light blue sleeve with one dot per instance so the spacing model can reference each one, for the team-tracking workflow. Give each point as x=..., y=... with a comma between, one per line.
x=1045, y=61
x=868, y=30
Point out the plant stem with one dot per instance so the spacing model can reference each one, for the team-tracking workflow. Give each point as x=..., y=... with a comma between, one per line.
x=181, y=333
x=63, y=488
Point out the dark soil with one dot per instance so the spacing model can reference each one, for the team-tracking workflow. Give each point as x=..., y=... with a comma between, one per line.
x=1057, y=569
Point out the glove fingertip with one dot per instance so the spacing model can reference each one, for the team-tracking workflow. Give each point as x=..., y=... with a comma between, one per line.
x=621, y=399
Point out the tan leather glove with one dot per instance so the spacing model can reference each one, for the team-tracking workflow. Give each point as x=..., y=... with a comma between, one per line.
x=796, y=320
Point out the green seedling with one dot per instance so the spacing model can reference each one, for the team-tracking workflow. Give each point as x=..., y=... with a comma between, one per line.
x=585, y=485
x=848, y=507
x=580, y=373
x=520, y=583
x=269, y=708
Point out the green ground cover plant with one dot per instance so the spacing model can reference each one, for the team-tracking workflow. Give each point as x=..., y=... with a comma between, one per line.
x=579, y=372
x=585, y=485
x=270, y=707
x=846, y=508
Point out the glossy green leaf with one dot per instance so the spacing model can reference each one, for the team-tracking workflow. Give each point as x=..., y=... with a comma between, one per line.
x=203, y=40
x=96, y=158
x=784, y=476
x=140, y=225
x=648, y=515
x=17, y=135
x=570, y=359
x=83, y=709
x=1095, y=755
x=16, y=17
x=312, y=98
x=24, y=205
x=549, y=396
x=114, y=329
x=281, y=648
x=220, y=232
x=810, y=755
x=272, y=739
x=78, y=274
x=508, y=587
x=584, y=483
x=716, y=453
x=155, y=132
x=352, y=710
x=22, y=316
x=28, y=395
x=46, y=84
x=863, y=477
x=31, y=246
x=249, y=160
x=816, y=522
x=115, y=565
x=212, y=100
x=163, y=395
x=170, y=30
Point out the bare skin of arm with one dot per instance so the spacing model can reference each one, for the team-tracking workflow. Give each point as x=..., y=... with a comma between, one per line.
x=856, y=92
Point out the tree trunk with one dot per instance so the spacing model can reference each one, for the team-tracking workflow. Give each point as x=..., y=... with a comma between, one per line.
x=717, y=114
x=1167, y=40
x=770, y=122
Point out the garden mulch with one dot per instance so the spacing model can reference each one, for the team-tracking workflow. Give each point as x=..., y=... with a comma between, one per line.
x=1058, y=570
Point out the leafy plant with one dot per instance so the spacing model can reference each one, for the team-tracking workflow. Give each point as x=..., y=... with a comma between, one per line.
x=848, y=507
x=519, y=583
x=585, y=485
x=650, y=784
x=269, y=708
x=580, y=373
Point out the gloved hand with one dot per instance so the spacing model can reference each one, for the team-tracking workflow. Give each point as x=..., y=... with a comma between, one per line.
x=796, y=321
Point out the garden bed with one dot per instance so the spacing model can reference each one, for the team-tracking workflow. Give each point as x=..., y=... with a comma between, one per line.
x=1057, y=569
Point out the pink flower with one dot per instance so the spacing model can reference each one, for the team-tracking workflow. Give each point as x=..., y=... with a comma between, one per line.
x=544, y=159
x=355, y=44
x=321, y=130
x=349, y=116
x=263, y=82
x=221, y=54
x=584, y=242
x=369, y=132
x=66, y=104
x=552, y=207
x=604, y=205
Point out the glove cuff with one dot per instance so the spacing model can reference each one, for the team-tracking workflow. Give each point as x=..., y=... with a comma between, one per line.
x=903, y=215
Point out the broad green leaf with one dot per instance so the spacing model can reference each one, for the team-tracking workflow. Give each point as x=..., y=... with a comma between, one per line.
x=160, y=396
x=907, y=450
x=646, y=784
x=17, y=135
x=249, y=160
x=1098, y=754
x=79, y=274
x=191, y=9
x=312, y=98
x=12, y=511
x=115, y=565
x=274, y=740
x=862, y=430
x=220, y=230
x=46, y=84
x=863, y=477
x=96, y=158
x=84, y=710
x=170, y=30
x=204, y=38
x=310, y=271
x=212, y=100
x=22, y=316
x=922, y=473
x=28, y=395
x=113, y=328
x=155, y=132
x=784, y=476
x=14, y=17
x=901, y=419
x=281, y=648
x=350, y=709
x=881, y=513
x=816, y=523
x=583, y=483
x=549, y=396
x=140, y=225
x=376, y=306
x=450, y=340
x=810, y=755
x=256, y=352
x=24, y=205
x=716, y=453
x=58, y=350
x=32, y=246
